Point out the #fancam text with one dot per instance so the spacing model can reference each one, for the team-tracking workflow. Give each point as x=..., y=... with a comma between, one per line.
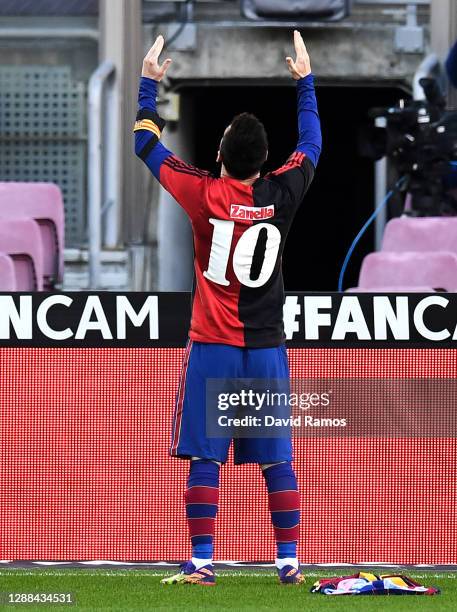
x=341, y=318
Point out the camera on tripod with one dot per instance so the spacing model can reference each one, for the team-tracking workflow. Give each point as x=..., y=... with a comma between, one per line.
x=420, y=139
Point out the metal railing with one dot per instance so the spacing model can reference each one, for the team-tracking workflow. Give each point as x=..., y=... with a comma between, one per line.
x=103, y=167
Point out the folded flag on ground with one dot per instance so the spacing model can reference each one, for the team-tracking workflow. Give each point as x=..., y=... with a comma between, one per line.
x=365, y=583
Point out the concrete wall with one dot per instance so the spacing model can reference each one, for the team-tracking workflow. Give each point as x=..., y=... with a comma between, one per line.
x=345, y=54
x=361, y=47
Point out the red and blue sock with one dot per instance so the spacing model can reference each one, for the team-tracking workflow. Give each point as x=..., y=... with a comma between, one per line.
x=284, y=504
x=202, y=499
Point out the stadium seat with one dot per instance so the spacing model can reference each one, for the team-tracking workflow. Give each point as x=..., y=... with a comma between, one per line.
x=7, y=273
x=409, y=269
x=43, y=203
x=421, y=234
x=390, y=289
x=21, y=240
x=300, y=10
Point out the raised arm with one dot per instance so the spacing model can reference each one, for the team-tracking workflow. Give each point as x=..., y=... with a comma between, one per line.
x=183, y=181
x=148, y=127
x=298, y=171
x=309, y=128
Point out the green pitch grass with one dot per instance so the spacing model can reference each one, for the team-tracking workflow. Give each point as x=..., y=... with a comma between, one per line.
x=247, y=590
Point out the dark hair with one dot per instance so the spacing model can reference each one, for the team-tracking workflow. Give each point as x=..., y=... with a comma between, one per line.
x=244, y=147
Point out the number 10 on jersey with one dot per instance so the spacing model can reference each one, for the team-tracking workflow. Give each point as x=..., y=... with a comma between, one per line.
x=243, y=255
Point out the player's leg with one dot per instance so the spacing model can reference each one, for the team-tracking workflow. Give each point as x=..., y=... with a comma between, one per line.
x=202, y=502
x=201, y=361
x=274, y=455
x=189, y=441
x=268, y=366
x=284, y=505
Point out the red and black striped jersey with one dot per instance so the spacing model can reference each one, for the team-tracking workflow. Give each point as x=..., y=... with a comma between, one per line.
x=239, y=230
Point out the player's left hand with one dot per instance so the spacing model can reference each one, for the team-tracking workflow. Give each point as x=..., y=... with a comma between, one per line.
x=151, y=67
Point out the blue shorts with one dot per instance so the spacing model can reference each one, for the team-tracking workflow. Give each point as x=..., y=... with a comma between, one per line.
x=204, y=361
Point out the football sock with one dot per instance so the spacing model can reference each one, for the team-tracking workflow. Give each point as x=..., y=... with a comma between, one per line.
x=284, y=504
x=280, y=563
x=202, y=498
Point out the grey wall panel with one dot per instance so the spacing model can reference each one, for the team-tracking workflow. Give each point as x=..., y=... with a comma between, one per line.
x=48, y=7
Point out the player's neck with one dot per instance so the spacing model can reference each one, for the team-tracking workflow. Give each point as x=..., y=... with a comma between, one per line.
x=248, y=181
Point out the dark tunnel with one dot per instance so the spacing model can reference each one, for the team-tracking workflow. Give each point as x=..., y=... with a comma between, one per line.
x=341, y=197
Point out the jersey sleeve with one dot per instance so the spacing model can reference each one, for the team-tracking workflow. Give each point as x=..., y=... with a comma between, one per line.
x=298, y=171
x=184, y=182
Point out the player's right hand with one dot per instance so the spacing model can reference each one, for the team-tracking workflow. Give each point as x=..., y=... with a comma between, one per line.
x=151, y=67
x=301, y=67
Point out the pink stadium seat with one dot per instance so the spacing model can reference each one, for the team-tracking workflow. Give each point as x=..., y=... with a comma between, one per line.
x=43, y=203
x=384, y=269
x=390, y=289
x=21, y=240
x=421, y=234
x=7, y=273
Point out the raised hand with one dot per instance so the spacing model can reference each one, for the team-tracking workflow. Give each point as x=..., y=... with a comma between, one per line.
x=302, y=65
x=151, y=67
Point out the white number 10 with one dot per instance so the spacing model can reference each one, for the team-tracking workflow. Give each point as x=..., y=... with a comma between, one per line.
x=243, y=254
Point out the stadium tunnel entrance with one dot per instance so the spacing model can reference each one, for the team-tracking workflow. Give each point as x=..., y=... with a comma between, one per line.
x=341, y=197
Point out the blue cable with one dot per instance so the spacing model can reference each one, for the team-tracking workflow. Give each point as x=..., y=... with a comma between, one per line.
x=363, y=230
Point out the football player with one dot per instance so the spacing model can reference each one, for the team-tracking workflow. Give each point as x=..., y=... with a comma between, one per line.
x=240, y=222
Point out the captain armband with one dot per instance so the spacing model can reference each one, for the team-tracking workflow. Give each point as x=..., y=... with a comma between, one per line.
x=149, y=121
